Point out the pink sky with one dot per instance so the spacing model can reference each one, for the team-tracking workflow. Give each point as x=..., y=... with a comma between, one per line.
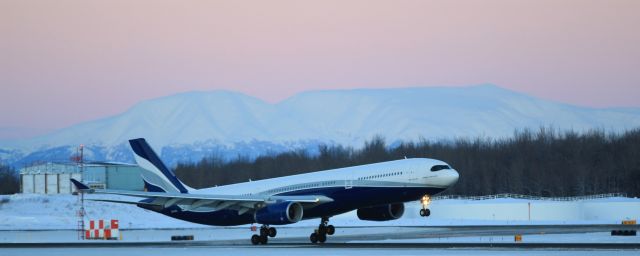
x=64, y=62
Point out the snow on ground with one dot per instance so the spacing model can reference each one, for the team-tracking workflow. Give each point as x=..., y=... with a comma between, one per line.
x=590, y=238
x=35, y=212
x=38, y=212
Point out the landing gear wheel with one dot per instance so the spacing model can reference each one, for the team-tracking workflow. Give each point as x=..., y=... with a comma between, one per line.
x=264, y=239
x=427, y=212
x=423, y=213
x=331, y=230
x=322, y=238
x=255, y=239
x=324, y=229
x=265, y=233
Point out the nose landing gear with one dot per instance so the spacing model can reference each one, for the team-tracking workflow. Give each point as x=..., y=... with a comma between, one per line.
x=320, y=234
x=425, y=201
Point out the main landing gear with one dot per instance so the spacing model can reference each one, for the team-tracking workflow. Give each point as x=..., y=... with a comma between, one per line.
x=425, y=201
x=265, y=233
x=320, y=234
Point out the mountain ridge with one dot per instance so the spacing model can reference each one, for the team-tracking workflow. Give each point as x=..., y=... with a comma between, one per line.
x=187, y=126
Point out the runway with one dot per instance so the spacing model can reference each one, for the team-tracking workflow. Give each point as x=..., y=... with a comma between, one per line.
x=417, y=240
x=379, y=245
x=186, y=249
x=300, y=234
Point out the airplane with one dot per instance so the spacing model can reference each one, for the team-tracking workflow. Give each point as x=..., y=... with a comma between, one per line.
x=376, y=191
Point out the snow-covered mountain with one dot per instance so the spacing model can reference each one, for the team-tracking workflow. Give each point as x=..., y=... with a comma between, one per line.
x=188, y=126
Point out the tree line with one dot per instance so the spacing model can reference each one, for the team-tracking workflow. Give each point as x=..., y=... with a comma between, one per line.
x=545, y=162
x=9, y=180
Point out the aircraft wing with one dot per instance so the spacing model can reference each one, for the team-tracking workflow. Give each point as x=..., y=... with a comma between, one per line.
x=203, y=202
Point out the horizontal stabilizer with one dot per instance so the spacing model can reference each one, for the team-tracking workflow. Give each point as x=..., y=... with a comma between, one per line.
x=122, y=202
x=81, y=187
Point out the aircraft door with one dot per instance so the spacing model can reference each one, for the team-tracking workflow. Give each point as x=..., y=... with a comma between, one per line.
x=348, y=184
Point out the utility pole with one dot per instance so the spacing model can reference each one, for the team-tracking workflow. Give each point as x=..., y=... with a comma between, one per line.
x=81, y=213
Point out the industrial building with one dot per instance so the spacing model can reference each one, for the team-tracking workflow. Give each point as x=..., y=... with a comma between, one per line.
x=53, y=178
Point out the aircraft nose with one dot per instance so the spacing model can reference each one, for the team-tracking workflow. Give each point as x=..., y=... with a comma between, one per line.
x=453, y=177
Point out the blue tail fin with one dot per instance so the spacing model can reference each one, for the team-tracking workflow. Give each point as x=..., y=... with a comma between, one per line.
x=156, y=175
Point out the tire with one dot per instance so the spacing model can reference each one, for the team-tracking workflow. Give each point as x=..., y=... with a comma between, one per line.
x=322, y=238
x=331, y=230
x=272, y=232
x=313, y=237
x=264, y=239
x=423, y=213
x=264, y=232
x=322, y=229
x=255, y=239
x=427, y=212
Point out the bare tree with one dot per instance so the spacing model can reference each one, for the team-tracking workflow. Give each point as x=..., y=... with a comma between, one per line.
x=9, y=180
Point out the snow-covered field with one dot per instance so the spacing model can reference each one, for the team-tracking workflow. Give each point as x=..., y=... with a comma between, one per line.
x=48, y=212
x=591, y=238
x=52, y=218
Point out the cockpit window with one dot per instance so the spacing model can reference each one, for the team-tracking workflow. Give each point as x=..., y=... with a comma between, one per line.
x=436, y=168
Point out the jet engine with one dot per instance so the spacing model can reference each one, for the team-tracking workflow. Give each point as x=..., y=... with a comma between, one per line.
x=382, y=212
x=279, y=213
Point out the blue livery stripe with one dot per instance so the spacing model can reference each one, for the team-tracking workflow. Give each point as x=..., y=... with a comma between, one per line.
x=152, y=188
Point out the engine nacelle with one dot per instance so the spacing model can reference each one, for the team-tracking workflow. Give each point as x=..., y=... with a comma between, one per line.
x=382, y=212
x=279, y=213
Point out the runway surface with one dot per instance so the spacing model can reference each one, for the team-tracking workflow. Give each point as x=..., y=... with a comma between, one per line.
x=306, y=250
x=300, y=235
x=377, y=245
x=445, y=240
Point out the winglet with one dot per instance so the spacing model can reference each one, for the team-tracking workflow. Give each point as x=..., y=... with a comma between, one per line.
x=80, y=187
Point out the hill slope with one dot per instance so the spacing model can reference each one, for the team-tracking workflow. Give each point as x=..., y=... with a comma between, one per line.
x=188, y=126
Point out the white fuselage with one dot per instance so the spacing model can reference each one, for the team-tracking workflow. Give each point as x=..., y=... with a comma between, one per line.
x=415, y=172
